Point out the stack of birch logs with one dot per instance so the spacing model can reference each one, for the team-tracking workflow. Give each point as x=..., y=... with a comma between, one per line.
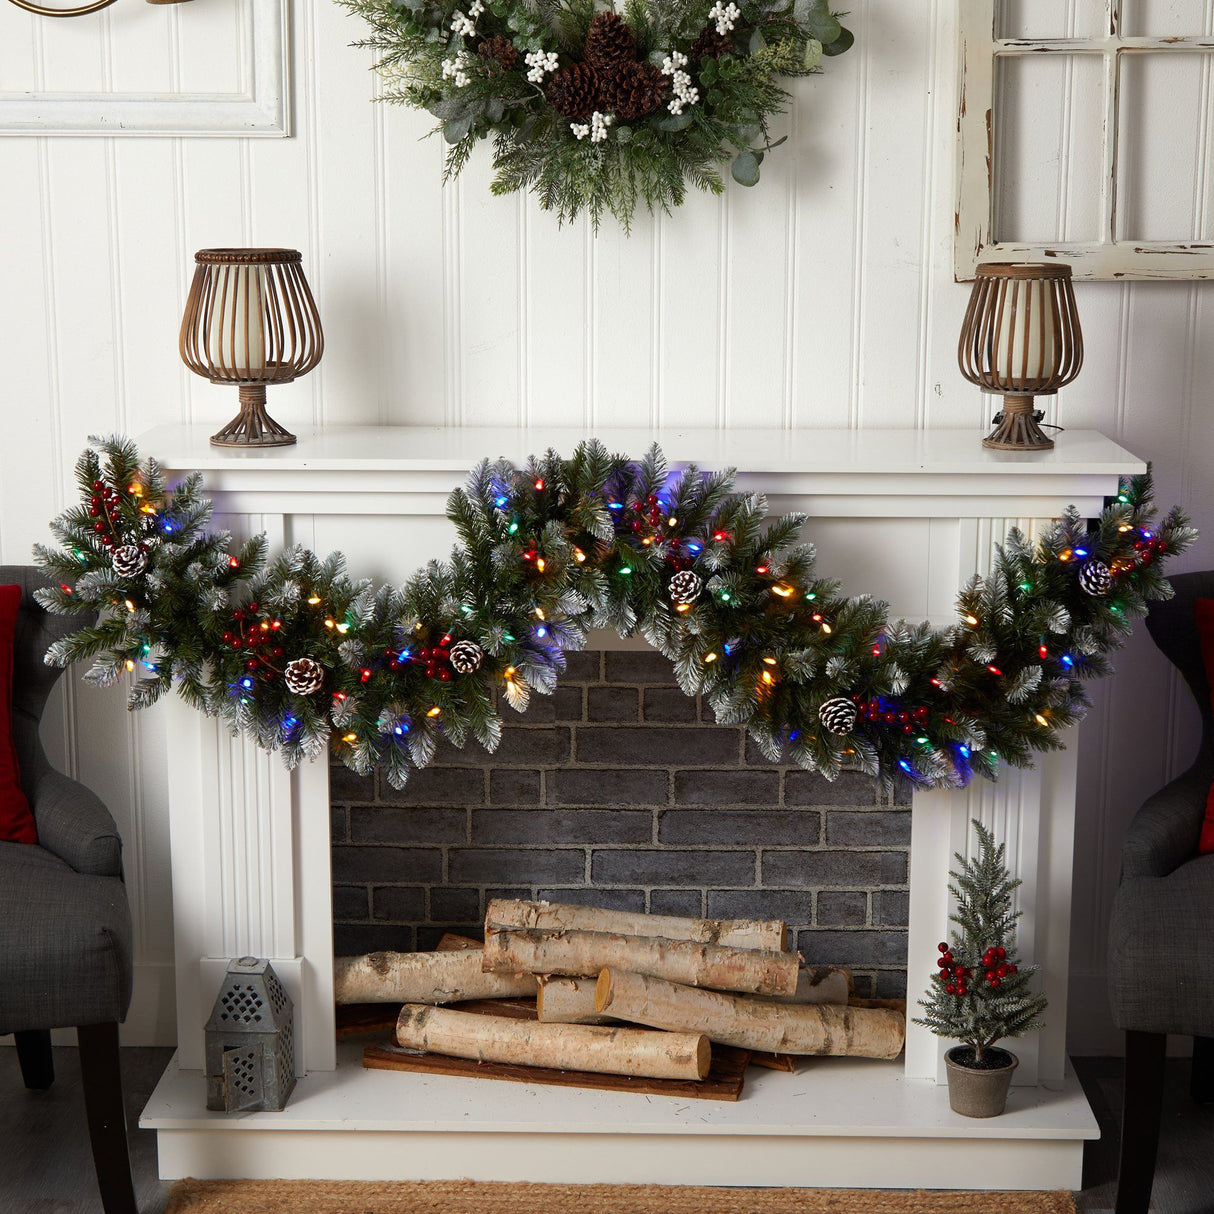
x=593, y=972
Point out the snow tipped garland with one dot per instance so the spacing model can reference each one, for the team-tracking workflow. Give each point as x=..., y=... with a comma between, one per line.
x=595, y=111
x=300, y=657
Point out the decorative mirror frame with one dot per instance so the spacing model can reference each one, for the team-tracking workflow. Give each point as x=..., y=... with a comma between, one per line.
x=263, y=109
x=1106, y=258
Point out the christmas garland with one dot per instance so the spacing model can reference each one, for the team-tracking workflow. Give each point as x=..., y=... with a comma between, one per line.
x=298, y=656
x=594, y=111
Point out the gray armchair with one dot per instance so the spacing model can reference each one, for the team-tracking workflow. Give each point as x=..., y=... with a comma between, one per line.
x=65, y=926
x=1161, y=943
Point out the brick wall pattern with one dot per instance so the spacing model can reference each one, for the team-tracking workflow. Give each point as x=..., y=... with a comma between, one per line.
x=620, y=791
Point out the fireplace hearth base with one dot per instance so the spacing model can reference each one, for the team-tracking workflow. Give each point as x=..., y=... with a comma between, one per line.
x=836, y=1123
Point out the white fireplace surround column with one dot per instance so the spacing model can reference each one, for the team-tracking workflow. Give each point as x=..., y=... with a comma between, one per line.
x=908, y=516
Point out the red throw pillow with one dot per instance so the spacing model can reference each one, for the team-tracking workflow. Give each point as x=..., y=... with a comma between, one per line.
x=16, y=820
x=1203, y=609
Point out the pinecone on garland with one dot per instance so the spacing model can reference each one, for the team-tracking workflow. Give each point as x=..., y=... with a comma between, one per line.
x=711, y=45
x=129, y=560
x=634, y=90
x=467, y=656
x=685, y=587
x=304, y=676
x=1095, y=578
x=500, y=50
x=609, y=43
x=838, y=715
x=574, y=91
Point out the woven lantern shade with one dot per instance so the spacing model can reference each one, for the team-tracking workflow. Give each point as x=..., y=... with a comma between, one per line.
x=1020, y=338
x=250, y=320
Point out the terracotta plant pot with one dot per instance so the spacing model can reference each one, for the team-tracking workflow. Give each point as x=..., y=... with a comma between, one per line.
x=979, y=1091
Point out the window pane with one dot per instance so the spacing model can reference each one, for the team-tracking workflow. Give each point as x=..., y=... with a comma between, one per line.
x=1052, y=18
x=1163, y=18
x=1163, y=169
x=1047, y=123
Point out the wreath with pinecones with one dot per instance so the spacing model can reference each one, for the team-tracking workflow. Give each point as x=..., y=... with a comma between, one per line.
x=595, y=111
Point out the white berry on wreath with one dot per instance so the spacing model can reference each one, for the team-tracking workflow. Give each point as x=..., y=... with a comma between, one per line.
x=466, y=657
x=1095, y=578
x=304, y=676
x=838, y=715
x=129, y=560
x=685, y=587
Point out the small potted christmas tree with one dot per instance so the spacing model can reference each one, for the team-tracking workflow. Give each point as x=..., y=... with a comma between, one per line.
x=980, y=994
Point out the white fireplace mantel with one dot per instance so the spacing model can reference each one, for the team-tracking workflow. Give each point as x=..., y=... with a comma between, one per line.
x=906, y=515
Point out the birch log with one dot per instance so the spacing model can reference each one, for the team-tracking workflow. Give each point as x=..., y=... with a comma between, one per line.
x=567, y=1001
x=750, y=1023
x=560, y=916
x=576, y=953
x=567, y=1047
x=816, y=985
x=444, y=977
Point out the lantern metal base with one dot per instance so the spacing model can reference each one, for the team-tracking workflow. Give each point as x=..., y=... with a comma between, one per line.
x=253, y=426
x=1017, y=428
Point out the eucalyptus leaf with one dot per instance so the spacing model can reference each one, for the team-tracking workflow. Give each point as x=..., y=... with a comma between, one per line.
x=745, y=168
x=450, y=109
x=743, y=136
x=623, y=134
x=816, y=17
x=843, y=42
x=495, y=109
x=814, y=51
x=757, y=41
x=709, y=70
x=675, y=122
x=457, y=128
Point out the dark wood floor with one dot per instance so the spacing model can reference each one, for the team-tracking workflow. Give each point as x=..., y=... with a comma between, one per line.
x=45, y=1167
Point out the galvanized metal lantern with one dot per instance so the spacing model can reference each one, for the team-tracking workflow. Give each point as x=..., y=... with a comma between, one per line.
x=250, y=1040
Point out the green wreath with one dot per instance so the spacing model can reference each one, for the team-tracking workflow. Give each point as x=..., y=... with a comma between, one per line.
x=296, y=655
x=594, y=111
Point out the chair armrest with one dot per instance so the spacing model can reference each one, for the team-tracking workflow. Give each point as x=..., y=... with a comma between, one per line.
x=75, y=825
x=1164, y=832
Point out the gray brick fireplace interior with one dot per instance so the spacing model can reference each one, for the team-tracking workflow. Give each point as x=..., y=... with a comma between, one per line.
x=621, y=791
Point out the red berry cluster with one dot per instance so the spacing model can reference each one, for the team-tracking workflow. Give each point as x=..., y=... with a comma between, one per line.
x=651, y=518
x=255, y=637
x=103, y=506
x=994, y=961
x=649, y=511
x=1147, y=550
x=435, y=660
x=956, y=977
x=874, y=710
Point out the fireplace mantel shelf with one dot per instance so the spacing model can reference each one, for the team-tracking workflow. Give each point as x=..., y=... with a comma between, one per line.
x=457, y=449
x=905, y=515
x=377, y=470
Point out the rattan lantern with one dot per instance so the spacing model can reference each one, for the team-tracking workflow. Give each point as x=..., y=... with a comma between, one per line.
x=250, y=1040
x=250, y=320
x=1020, y=338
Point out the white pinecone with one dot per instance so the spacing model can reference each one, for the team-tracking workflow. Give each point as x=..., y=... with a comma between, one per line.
x=685, y=587
x=838, y=715
x=1095, y=578
x=129, y=560
x=466, y=656
x=304, y=676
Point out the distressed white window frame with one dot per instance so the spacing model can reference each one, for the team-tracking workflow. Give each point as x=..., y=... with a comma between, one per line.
x=262, y=108
x=1106, y=258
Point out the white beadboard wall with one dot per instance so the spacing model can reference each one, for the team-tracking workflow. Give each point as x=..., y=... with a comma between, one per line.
x=822, y=298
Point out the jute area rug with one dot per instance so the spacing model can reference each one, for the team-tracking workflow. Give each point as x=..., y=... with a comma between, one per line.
x=468, y=1197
